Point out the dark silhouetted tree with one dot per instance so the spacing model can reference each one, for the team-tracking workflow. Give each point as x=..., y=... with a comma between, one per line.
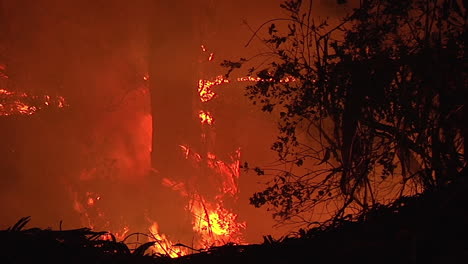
x=376, y=109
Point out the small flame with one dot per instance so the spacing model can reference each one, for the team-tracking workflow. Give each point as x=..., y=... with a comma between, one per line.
x=204, y=87
x=13, y=103
x=207, y=94
x=120, y=236
x=206, y=117
x=258, y=79
x=90, y=201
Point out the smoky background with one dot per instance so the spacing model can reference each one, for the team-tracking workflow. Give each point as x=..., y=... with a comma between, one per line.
x=96, y=54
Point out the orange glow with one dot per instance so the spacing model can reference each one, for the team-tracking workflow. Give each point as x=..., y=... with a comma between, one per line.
x=12, y=103
x=204, y=87
x=215, y=224
x=206, y=117
x=213, y=221
x=2, y=71
x=230, y=172
x=258, y=79
x=163, y=245
x=106, y=236
x=176, y=186
x=189, y=154
x=121, y=235
x=207, y=94
x=90, y=201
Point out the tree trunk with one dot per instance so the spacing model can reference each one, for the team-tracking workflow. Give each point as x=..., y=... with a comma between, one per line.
x=172, y=85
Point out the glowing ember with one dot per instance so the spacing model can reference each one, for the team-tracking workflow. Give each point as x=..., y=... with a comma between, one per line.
x=2, y=71
x=204, y=88
x=90, y=201
x=12, y=103
x=206, y=117
x=211, y=57
x=207, y=94
x=189, y=154
x=258, y=79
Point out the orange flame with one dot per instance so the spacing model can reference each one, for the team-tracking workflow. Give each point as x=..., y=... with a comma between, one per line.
x=176, y=186
x=211, y=57
x=207, y=94
x=206, y=117
x=216, y=224
x=12, y=103
x=231, y=172
x=204, y=87
x=163, y=245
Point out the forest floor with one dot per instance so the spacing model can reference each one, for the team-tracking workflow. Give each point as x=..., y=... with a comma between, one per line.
x=429, y=228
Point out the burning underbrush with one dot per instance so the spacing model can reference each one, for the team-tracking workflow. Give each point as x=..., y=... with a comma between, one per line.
x=14, y=103
x=429, y=228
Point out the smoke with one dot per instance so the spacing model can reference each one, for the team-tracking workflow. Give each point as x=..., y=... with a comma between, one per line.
x=89, y=164
x=93, y=54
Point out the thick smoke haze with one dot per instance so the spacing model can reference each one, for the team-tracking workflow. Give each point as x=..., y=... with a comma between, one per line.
x=97, y=55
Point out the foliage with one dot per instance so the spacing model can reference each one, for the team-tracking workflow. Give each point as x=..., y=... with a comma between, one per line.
x=376, y=109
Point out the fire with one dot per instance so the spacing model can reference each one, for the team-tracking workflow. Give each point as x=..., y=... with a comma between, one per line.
x=13, y=103
x=258, y=79
x=211, y=57
x=231, y=172
x=190, y=155
x=176, y=186
x=206, y=117
x=216, y=224
x=163, y=245
x=204, y=87
x=211, y=220
x=122, y=234
x=206, y=94
x=20, y=103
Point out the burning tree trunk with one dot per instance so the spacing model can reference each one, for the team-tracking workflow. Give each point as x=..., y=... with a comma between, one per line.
x=183, y=136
